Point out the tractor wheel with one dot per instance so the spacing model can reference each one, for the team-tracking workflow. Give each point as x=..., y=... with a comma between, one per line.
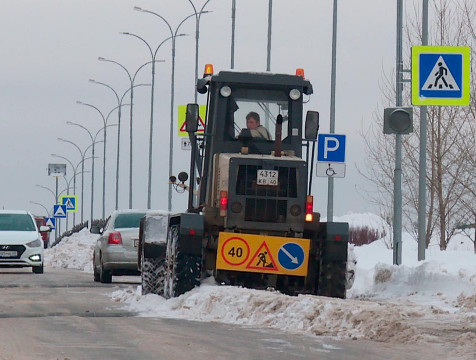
x=332, y=279
x=183, y=271
x=153, y=274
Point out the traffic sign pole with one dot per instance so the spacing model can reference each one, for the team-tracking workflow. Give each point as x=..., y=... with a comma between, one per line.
x=330, y=180
x=397, y=190
x=422, y=162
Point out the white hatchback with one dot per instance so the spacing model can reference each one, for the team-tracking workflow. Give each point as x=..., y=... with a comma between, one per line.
x=20, y=242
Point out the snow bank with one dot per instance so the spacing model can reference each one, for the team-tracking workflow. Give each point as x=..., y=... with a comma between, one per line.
x=73, y=252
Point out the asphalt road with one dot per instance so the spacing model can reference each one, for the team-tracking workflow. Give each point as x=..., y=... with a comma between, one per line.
x=62, y=314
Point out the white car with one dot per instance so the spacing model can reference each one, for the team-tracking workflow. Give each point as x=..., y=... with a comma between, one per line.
x=115, y=252
x=20, y=241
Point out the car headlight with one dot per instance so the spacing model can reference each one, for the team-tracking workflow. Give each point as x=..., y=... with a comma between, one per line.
x=35, y=243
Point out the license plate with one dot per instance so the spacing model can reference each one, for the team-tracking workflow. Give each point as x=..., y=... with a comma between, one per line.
x=7, y=254
x=136, y=242
x=267, y=177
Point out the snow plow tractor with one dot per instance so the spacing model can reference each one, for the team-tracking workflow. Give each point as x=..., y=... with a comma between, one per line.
x=250, y=219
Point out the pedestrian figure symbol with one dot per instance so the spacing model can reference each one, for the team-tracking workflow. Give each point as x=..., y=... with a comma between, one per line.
x=440, y=74
x=262, y=259
x=440, y=78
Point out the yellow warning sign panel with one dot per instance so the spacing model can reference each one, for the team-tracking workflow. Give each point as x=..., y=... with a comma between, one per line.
x=262, y=254
x=182, y=111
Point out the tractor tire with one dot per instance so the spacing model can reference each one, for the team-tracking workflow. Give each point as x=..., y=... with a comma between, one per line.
x=153, y=276
x=183, y=271
x=332, y=279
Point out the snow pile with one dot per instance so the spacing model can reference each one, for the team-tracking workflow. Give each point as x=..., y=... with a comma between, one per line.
x=74, y=252
x=309, y=314
x=433, y=300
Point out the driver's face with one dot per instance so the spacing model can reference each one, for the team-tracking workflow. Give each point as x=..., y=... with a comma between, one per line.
x=251, y=123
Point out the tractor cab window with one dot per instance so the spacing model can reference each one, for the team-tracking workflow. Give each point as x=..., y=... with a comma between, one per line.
x=257, y=111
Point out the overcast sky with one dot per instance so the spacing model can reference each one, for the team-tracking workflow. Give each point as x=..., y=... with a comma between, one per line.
x=50, y=50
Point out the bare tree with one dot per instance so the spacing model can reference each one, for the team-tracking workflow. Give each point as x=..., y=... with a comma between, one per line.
x=450, y=134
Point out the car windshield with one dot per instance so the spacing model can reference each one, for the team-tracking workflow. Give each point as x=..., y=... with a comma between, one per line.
x=16, y=222
x=263, y=106
x=124, y=221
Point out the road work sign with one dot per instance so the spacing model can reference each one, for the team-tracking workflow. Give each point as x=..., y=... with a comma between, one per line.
x=70, y=201
x=262, y=254
x=331, y=148
x=182, y=111
x=440, y=75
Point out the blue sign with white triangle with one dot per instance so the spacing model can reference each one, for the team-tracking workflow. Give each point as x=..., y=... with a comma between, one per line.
x=51, y=222
x=70, y=201
x=59, y=211
x=441, y=75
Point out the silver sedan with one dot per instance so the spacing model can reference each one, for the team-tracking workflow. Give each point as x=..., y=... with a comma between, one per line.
x=115, y=252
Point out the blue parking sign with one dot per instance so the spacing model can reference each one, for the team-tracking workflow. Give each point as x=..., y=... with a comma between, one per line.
x=331, y=148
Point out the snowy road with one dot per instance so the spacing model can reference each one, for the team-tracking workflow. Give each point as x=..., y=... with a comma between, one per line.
x=63, y=314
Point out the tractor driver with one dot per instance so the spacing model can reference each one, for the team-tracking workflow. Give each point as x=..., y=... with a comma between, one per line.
x=257, y=130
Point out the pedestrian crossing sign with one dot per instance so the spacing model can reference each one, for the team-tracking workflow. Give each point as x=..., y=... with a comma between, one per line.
x=70, y=201
x=59, y=211
x=440, y=75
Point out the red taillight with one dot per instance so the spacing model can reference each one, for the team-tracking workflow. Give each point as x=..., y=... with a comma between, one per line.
x=337, y=237
x=309, y=206
x=114, y=238
x=192, y=232
x=223, y=202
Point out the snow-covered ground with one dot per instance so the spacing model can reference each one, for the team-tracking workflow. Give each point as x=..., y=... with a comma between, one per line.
x=431, y=301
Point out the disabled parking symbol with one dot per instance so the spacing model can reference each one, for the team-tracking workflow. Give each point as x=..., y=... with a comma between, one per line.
x=291, y=256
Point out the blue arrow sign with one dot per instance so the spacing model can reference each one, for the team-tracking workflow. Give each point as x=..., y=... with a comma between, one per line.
x=331, y=148
x=291, y=256
x=59, y=211
x=51, y=222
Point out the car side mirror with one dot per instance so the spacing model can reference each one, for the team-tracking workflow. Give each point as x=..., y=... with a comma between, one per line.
x=191, y=118
x=312, y=125
x=95, y=229
x=44, y=228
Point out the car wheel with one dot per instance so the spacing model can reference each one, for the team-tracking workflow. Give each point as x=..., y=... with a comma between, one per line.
x=105, y=276
x=38, y=269
x=95, y=270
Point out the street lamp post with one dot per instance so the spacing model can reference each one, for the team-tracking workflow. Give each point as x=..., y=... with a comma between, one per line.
x=197, y=36
x=153, y=55
x=173, y=35
x=93, y=145
x=104, y=119
x=131, y=89
x=44, y=207
x=76, y=173
x=119, y=104
x=83, y=154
